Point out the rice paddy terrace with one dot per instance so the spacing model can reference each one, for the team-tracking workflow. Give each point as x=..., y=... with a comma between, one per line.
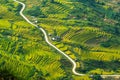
x=87, y=31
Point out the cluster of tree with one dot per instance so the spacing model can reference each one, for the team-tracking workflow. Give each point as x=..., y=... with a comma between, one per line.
x=113, y=41
x=35, y=11
x=52, y=1
x=96, y=77
x=4, y=1
x=5, y=75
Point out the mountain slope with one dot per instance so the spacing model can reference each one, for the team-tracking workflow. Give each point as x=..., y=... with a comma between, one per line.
x=87, y=30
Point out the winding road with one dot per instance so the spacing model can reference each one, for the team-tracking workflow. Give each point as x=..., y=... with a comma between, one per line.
x=47, y=40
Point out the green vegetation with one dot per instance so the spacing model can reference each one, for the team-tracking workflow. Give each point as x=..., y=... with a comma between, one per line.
x=88, y=31
x=24, y=55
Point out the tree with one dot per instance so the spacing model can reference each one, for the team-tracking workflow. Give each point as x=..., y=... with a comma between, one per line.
x=35, y=11
x=67, y=77
x=11, y=22
x=6, y=75
x=97, y=77
x=52, y=1
x=3, y=1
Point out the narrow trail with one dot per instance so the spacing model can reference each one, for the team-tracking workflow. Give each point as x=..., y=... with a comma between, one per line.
x=48, y=42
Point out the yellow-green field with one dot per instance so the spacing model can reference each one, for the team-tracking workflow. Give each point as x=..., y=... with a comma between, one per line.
x=88, y=30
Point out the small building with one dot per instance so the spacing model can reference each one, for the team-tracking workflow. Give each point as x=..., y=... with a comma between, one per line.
x=53, y=39
x=56, y=38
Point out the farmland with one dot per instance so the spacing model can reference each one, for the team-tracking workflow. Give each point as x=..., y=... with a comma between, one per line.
x=87, y=31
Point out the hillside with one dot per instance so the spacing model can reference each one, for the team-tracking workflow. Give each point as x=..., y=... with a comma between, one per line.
x=86, y=30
